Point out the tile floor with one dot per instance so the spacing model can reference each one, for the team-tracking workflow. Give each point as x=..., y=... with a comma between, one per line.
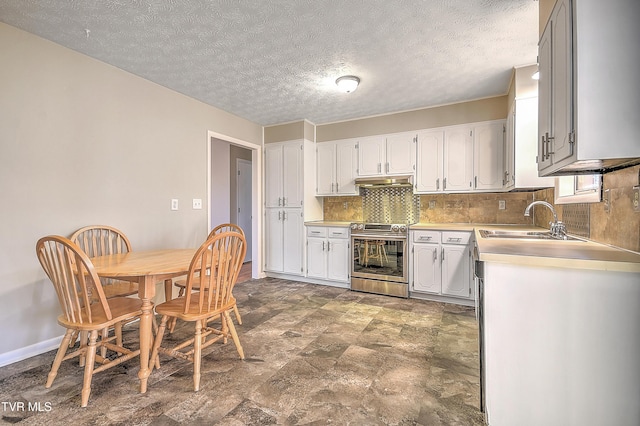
x=315, y=355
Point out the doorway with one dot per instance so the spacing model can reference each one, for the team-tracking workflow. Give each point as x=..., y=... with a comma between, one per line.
x=219, y=183
x=243, y=200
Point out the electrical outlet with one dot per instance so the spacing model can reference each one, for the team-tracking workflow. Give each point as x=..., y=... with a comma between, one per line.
x=197, y=203
x=607, y=200
x=174, y=204
x=432, y=204
x=502, y=205
x=636, y=198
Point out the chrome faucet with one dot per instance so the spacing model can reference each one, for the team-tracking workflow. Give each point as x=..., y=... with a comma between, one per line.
x=558, y=229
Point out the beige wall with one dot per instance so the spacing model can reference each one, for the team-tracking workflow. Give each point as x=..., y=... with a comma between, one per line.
x=82, y=142
x=284, y=132
x=447, y=115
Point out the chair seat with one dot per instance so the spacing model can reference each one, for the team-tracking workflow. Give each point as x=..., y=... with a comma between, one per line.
x=122, y=308
x=175, y=308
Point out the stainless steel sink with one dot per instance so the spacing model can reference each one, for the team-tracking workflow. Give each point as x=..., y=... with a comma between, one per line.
x=524, y=235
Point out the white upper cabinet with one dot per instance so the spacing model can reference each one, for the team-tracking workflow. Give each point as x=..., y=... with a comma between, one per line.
x=588, y=87
x=337, y=163
x=386, y=155
x=488, y=148
x=555, y=89
x=458, y=159
x=401, y=154
x=326, y=168
x=521, y=170
x=283, y=174
x=429, y=161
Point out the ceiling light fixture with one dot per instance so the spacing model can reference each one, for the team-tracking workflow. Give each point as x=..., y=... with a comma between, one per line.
x=347, y=83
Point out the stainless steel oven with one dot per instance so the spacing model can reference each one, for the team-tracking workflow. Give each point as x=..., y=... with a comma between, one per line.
x=379, y=259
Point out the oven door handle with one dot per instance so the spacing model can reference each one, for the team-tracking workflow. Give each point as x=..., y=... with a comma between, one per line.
x=379, y=237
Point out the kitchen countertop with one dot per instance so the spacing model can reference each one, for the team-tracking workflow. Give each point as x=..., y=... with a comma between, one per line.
x=583, y=254
x=329, y=223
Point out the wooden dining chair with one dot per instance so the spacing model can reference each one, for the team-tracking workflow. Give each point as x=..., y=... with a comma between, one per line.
x=85, y=308
x=215, y=267
x=101, y=240
x=182, y=283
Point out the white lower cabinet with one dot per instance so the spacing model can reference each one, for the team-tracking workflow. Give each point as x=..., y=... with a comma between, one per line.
x=283, y=228
x=328, y=253
x=441, y=265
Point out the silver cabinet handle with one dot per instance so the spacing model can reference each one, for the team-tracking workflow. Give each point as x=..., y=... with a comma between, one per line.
x=475, y=181
x=423, y=237
x=332, y=187
x=442, y=259
x=279, y=215
x=323, y=246
x=284, y=201
x=387, y=167
x=284, y=215
x=444, y=184
x=435, y=255
x=337, y=187
x=328, y=245
x=452, y=239
x=438, y=183
x=379, y=167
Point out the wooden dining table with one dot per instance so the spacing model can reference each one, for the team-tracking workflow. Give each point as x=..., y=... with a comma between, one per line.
x=146, y=268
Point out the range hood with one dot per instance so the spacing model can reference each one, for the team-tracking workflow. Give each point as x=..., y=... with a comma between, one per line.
x=384, y=181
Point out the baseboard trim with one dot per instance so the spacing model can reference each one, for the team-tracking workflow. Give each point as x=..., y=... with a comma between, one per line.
x=29, y=351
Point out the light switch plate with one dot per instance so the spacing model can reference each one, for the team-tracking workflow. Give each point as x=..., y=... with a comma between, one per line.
x=174, y=204
x=501, y=205
x=636, y=199
x=197, y=203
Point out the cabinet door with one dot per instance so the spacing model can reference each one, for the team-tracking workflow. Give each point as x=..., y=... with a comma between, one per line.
x=561, y=82
x=346, y=164
x=458, y=159
x=488, y=141
x=426, y=268
x=316, y=258
x=292, y=185
x=400, y=154
x=455, y=271
x=273, y=175
x=326, y=168
x=509, y=160
x=371, y=156
x=293, y=227
x=274, y=240
x=544, y=98
x=429, y=161
x=338, y=259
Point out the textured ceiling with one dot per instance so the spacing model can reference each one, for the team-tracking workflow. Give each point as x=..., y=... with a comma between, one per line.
x=276, y=61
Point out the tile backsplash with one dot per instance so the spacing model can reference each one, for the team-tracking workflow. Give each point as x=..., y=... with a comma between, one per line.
x=620, y=226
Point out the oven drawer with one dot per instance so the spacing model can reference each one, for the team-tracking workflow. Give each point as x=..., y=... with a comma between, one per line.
x=462, y=238
x=426, y=236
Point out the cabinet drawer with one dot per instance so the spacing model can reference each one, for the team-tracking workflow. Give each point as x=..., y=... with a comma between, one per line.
x=315, y=231
x=426, y=236
x=461, y=238
x=338, y=232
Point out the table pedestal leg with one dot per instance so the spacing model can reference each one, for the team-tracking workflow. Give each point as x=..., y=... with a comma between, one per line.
x=146, y=290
